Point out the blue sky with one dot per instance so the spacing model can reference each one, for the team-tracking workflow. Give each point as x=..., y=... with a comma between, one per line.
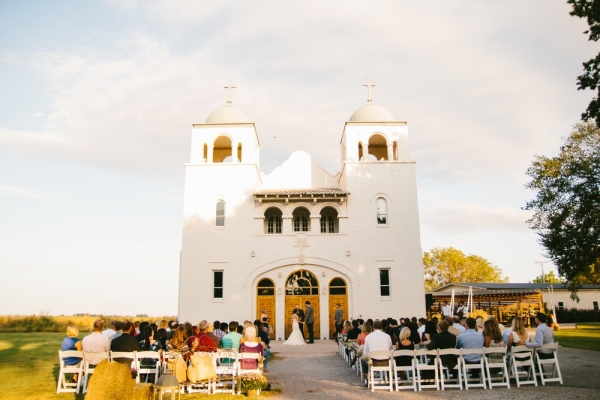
x=97, y=100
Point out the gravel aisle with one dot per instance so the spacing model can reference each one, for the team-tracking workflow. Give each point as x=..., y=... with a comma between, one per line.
x=317, y=371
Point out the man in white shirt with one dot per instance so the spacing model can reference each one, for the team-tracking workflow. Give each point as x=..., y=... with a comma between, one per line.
x=421, y=330
x=110, y=331
x=446, y=310
x=375, y=341
x=96, y=342
x=457, y=325
x=543, y=335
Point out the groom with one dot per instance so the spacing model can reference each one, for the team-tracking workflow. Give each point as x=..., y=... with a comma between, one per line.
x=310, y=322
x=300, y=313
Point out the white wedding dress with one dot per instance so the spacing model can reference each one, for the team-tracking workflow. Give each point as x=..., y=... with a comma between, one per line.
x=295, y=339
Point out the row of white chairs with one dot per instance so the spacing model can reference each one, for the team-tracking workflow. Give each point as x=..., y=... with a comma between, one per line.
x=494, y=371
x=85, y=369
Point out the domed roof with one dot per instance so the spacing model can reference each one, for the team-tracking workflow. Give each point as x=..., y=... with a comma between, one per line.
x=372, y=113
x=227, y=114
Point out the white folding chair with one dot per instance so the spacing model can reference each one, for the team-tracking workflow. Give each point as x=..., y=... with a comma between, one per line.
x=384, y=371
x=242, y=356
x=445, y=380
x=148, y=355
x=467, y=367
x=554, y=375
x=88, y=368
x=120, y=356
x=410, y=382
x=225, y=365
x=421, y=355
x=207, y=386
x=521, y=365
x=491, y=363
x=63, y=385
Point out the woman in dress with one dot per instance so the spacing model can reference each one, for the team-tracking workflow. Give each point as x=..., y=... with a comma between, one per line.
x=492, y=337
x=519, y=335
x=295, y=338
x=250, y=345
x=72, y=343
x=404, y=344
x=149, y=344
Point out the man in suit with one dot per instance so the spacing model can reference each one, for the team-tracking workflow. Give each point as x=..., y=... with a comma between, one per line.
x=310, y=322
x=301, y=315
x=339, y=321
x=126, y=343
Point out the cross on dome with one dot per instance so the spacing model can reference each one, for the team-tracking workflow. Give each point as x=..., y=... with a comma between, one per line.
x=368, y=85
x=229, y=86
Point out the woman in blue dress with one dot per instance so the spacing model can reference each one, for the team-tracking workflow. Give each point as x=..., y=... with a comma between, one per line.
x=71, y=342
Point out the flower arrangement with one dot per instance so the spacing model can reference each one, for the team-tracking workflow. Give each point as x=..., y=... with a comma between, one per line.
x=253, y=381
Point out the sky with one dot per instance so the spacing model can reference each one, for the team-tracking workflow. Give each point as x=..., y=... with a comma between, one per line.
x=97, y=100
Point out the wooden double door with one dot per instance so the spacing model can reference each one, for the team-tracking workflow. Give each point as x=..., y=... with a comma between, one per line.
x=267, y=303
x=291, y=302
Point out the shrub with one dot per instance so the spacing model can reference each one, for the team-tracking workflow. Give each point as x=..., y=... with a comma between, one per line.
x=577, y=315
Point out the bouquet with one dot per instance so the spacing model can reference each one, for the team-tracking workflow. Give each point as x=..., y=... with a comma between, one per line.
x=253, y=381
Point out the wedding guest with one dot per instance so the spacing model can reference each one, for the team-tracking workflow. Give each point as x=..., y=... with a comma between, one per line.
x=179, y=340
x=161, y=336
x=126, y=342
x=150, y=344
x=202, y=342
x=110, y=331
x=72, y=343
x=390, y=331
x=217, y=329
x=96, y=342
x=404, y=344
x=479, y=324
x=422, y=322
x=451, y=328
x=354, y=332
x=493, y=338
x=444, y=340
x=347, y=327
x=430, y=332
x=232, y=339
x=118, y=330
x=456, y=324
x=189, y=329
x=264, y=340
x=375, y=341
x=162, y=324
x=543, y=335
x=250, y=345
x=210, y=332
x=518, y=335
x=507, y=331
x=471, y=339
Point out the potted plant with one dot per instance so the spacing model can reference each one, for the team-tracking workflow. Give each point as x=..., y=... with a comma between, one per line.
x=252, y=383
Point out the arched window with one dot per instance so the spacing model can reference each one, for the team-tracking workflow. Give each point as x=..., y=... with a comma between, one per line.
x=266, y=287
x=378, y=147
x=381, y=211
x=301, y=283
x=273, y=221
x=222, y=150
x=329, y=220
x=301, y=219
x=337, y=286
x=220, y=213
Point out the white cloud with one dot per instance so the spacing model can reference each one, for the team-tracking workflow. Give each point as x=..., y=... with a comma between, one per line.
x=14, y=191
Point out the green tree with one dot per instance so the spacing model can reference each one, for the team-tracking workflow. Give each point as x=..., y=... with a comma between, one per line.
x=548, y=278
x=590, y=10
x=567, y=206
x=449, y=265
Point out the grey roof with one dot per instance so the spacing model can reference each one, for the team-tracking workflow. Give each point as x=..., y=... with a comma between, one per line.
x=302, y=192
x=513, y=286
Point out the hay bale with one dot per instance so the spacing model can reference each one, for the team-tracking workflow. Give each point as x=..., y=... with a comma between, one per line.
x=110, y=380
x=142, y=391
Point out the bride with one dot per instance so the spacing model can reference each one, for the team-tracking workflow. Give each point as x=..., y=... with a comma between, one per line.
x=296, y=338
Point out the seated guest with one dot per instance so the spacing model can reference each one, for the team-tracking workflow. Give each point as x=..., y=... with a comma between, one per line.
x=451, y=328
x=202, y=342
x=125, y=342
x=232, y=339
x=430, y=332
x=507, y=331
x=189, y=329
x=543, y=335
x=149, y=344
x=375, y=341
x=421, y=330
x=250, y=345
x=493, y=338
x=444, y=340
x=354, y=332
x=142, y=328
x=224, y=328
x=217, y=330
x=72, y=343
x=179, y=340
x=479, y=322
x=161, y=336
x=240, y=330
x=518, y=335
x=110, y=331
x=95, y=342
x=456, y=324
x=118, y=330
x=404, y=344
x=390, y=331
x=471, y=339
x=210, y=332
x=265, y=340
x=172, y=327
x=347, y=327
x=162, y=324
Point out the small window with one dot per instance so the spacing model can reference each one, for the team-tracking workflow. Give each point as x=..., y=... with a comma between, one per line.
x=217, y=284
x=273, y=218
x=301, y=219
x=381, y=211
x=220, y=214
x=329, y=219
x=561, y=305
x=595, y=305
x=384, y=282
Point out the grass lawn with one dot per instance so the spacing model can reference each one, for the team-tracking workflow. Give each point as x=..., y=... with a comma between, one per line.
x=588, y=325
x=29, y=368
x=585, y=339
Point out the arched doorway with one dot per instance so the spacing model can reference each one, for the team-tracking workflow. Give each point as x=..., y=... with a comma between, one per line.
x=338, y=294
x=265, y=300
x=300, y=286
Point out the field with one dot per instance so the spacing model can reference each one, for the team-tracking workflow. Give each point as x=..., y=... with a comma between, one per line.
x=29, y=368
x=585, y=337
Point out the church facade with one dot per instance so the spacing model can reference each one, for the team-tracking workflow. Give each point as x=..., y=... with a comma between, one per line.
x=255, y=243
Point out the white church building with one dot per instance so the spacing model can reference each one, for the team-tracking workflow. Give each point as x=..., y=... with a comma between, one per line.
x=254, y=242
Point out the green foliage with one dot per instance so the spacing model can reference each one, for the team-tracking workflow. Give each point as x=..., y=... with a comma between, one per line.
x=590, y=79
x=548, y=278
x=449, y=265
x=567, y=206
x=577, y=315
